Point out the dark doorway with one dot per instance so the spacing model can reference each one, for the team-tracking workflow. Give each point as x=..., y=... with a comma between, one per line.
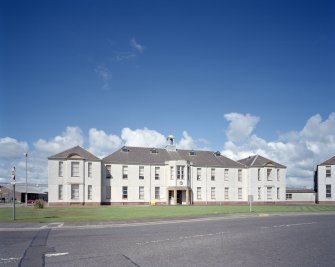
x=180, y=197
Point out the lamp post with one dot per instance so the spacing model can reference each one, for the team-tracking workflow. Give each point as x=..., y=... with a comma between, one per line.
x=26, y=154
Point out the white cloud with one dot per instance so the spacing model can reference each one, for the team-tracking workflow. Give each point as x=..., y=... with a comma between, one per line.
x=101, y=144
x=12, y=148
x=143, y=138
x=186, y=142
x=71, y=137
x=299, y=151
x=136, y=46
x=106, y=76
x=240, y=126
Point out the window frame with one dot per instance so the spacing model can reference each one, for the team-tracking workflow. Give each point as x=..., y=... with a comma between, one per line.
x=328, y=191
x=73, y=163
x=74, y=191
x=89, y=192
x=124, y=192
x=157, y=173
x=108, y=192
x=141, y=192
x=61, y=169
x=125, y=172
x=89, y=169
x=141, y=172
x=108, y=172
x=60, y=192
x=157, y=193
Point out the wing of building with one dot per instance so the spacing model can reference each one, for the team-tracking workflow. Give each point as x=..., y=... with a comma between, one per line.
x=325, y=182
x=143, y=175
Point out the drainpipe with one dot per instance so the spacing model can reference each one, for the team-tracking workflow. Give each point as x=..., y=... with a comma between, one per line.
x=84, y=161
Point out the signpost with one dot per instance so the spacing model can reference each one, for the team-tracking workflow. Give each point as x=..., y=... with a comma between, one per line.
x=13, y=183
x=250, y=199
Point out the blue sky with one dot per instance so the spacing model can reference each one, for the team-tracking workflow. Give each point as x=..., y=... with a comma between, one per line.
x=169, y=67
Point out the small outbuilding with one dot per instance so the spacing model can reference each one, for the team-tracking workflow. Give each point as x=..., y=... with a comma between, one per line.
x=300, y=195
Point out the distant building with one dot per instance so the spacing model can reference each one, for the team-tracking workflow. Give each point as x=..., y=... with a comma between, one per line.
x=300, y=195
x=33, y=193
x=169, y=176
x=325, y=181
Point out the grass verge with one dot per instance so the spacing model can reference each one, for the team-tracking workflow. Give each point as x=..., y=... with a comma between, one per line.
x=108, y=213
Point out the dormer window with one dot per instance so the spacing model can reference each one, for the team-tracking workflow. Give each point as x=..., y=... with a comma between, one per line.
x=153, y=151
x=192, y=153
x=125, y=149
x=217, y=153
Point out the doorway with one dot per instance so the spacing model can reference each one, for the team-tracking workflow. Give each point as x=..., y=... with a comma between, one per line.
x=179, y=197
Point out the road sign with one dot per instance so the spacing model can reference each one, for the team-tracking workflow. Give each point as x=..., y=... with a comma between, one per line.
x=13, y=173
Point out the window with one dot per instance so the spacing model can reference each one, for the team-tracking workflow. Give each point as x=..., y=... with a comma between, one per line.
x=278, y=175
x=288, y=196
x=259, y=174
x=198, y=174
x=124, y=192
x=108, y=192
x=60, y=192
x=328, y=171
x=108, y=171
x=89, y=169
x=213, y=174
x=157, y=193
x=171, y=172
x=212, y=192
x=75, y=191
x=259, y=193
x=269, y=192
x=124, y=172
x=60, y=168
x=239, y=193
x=74, y=169
x=141, y=172
x=157, y=172
x=226, y=174
x=141, y=192
x=226, y=193
x=180, y=172
x=278, y=193
x=89, y=192
x=269, y=174
x=239, y=178
x=328, y=191
x=198, y=193
x=188, y=173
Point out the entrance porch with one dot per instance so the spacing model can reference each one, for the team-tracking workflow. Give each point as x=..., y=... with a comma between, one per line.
x=179, y=196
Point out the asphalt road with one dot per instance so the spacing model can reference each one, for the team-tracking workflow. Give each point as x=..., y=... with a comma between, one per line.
x=275, y=240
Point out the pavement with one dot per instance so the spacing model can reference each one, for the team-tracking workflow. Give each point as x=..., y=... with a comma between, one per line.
x=276, y=239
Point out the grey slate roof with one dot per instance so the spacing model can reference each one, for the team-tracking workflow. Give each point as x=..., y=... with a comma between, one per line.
x=77, y=150
x=299, y=190
x=259, y=161
x=143, y=155
x=330, y=161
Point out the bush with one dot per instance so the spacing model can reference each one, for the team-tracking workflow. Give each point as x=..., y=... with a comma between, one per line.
x=39, y=204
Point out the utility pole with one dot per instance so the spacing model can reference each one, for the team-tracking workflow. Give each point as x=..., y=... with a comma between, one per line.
x=26, y=154
x=13, y=183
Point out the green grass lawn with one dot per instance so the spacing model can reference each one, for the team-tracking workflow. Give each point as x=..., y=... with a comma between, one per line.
x=110, y=213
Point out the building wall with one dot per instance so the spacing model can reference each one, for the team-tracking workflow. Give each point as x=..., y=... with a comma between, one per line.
x=263, y=183
x=323, y=181
x=302, y=197
x=220, y=183
x=100, y=183
x=54, y=180
x=116, y=182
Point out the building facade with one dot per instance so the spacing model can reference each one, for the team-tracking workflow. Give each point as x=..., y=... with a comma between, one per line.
x=300, y=195
x=170, y=176
x=325, y=181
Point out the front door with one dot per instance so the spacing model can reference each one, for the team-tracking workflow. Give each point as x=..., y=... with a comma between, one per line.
x=179, y=197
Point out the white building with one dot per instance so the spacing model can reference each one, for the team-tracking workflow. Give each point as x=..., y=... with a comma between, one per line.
x=325, y=181
x=74, y=177
x=266, y=178
x=300, y=195
x=139, y=175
